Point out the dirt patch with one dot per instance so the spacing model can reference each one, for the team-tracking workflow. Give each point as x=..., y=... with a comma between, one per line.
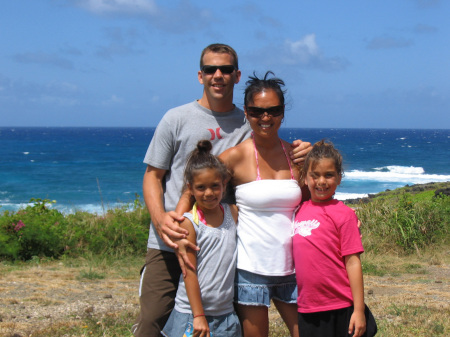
x=38, y=296
x=41, y=296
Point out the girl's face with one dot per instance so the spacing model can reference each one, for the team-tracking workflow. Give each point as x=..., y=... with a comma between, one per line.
x=266, y=123
x=207, y=188
x=322, y=180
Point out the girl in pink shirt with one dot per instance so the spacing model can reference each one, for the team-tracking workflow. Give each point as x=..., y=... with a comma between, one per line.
x=326, y=249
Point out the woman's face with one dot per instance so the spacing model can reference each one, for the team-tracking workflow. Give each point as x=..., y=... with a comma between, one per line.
x=265, y=113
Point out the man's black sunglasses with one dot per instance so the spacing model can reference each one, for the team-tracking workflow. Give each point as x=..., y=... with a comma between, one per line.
x=227, y=69
x=257, y=112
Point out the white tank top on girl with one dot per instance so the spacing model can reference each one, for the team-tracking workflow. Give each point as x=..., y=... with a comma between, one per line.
x=264, y=227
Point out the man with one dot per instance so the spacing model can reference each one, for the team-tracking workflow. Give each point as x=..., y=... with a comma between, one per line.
x=213, y=117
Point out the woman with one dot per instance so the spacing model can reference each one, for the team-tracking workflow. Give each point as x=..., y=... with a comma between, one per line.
x=267, y=193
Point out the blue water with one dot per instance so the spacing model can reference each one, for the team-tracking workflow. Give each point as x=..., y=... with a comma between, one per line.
x=98, y=168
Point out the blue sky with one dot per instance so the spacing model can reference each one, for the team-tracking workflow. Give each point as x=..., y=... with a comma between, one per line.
x=350, y=63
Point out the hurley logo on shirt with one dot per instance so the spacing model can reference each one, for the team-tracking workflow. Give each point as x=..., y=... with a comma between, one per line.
x=304, y=228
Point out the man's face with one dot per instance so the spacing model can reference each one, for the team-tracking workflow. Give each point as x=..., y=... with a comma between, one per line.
x=218, y=87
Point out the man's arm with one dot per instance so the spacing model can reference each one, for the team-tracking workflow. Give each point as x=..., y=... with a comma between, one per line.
x=165, y=223
x=358, y=319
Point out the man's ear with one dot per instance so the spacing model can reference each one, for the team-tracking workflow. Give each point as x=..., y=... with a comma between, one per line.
x=238, y=76
x=200, y=77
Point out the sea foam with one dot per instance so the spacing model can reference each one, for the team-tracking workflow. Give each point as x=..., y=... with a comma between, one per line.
x=397, y=174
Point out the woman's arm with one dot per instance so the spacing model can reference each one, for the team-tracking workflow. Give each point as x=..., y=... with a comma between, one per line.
x=234, y=212
x=355, y=276
x=299, y=150
x=192, y=286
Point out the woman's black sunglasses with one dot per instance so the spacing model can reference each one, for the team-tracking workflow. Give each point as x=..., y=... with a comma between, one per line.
x=257, y=112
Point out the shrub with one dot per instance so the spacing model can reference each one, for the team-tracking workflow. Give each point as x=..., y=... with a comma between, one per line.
x=41, y=231
x=403, y=224
x=119, y=232
x=33, y=231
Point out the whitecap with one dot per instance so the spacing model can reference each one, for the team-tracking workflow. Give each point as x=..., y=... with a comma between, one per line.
x=396, y=174
x=345, y=196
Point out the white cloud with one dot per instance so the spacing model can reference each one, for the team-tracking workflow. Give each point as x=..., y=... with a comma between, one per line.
x=113, y=100
x=177, y=18
x=120, y=6
x=427, y=3
x=306, y=52
x=121, y=42
x=387, y=42
x=424, y=29
x=303, y=50
x=44, y=59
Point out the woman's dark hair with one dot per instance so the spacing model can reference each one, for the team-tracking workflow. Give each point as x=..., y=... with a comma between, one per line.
x=256, y=85
x=202, y=158
x=322, y=150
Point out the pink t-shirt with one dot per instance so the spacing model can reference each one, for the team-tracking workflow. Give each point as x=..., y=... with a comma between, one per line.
x=324, y=233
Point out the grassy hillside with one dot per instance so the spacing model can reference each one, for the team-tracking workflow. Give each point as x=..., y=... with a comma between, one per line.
x=78, y=274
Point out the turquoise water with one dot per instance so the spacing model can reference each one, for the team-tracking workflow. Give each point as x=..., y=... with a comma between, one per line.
x=95, y=168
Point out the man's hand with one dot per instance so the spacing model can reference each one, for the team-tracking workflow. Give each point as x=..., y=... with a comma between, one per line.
x=169, y=230
x=299, y=151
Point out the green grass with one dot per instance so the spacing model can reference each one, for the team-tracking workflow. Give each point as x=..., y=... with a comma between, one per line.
x=402, y=223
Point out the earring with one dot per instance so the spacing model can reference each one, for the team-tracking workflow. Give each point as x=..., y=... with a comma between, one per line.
x=245, y=120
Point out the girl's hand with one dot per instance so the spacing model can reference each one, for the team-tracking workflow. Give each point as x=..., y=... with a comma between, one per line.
x=181, y=252
x=357, y=324
x=201, y=327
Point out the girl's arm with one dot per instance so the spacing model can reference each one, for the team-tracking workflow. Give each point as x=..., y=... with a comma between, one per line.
x=355, y=276
x=184, y=205
x=201, y=326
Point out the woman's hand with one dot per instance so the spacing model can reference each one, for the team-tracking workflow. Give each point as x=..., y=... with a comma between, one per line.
x=299, y=151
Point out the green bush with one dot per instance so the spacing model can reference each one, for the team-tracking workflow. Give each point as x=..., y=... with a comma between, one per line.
x=38, y=230
x=119, y=232
x=403, y=224
x=33, y=231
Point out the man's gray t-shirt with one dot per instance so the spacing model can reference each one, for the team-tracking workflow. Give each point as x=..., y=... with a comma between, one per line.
x=177, y=135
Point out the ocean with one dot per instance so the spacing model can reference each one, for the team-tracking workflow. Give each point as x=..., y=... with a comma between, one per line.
x=94, y=169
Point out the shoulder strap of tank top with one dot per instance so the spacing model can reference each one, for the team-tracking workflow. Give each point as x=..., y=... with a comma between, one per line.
x=288, y=160
x=258, y=175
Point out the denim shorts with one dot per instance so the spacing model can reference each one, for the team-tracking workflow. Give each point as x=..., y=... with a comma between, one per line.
x=255, y=289
x=220, y=326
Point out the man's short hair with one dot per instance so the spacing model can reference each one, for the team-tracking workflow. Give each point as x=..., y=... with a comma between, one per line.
x=222, y=49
